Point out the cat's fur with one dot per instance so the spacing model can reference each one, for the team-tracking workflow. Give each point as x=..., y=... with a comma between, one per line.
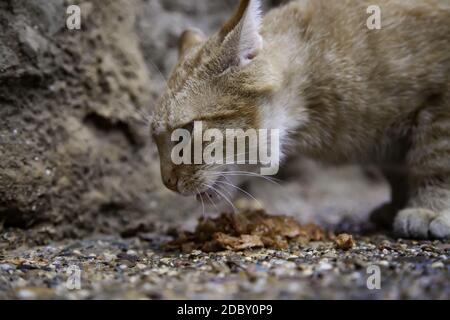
x=338, y=92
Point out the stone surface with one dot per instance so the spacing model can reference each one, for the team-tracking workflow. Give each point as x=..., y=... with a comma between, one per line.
x=74, y=152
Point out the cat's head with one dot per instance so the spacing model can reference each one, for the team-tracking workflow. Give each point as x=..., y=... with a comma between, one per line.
x=221, y=81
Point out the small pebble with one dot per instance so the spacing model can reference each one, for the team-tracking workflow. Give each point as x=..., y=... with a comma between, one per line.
x=438, y=265
x=141, y=266
x=132, y=253
x=325, y=266
x=6, y=267
x=26, y=294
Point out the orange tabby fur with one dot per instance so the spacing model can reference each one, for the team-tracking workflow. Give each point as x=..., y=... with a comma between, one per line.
x=336, y=90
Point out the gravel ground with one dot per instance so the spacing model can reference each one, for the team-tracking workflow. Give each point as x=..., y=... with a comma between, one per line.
x=135, y=268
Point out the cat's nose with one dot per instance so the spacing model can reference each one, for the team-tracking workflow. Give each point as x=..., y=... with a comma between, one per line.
x=171, y=182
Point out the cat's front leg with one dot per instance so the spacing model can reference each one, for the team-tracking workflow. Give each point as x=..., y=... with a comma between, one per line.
x=427, y=215
x=428, y=211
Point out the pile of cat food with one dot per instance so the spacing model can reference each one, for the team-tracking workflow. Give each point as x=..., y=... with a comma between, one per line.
x=252, y=229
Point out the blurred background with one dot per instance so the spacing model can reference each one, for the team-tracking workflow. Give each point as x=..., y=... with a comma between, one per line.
x=76, y=156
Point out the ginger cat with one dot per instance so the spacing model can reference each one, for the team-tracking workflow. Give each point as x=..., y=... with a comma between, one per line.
x=337, y=91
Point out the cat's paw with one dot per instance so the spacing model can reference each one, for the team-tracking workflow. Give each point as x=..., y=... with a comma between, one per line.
x=440, y=227
x=422, y=224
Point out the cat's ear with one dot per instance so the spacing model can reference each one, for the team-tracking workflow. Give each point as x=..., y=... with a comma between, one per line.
x=241, y=34
x=189, y=39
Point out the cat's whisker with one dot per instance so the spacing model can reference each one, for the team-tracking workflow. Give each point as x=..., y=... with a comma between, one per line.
x=241, y=190
x=203, y=204
x=164, y=79
x=214, y=166
x=236, y=173
x=255, y=174
x=244, y=174
x=259, y=175
x=225, y=190
x=226, y=198
x=221, y=195
x=209, y=198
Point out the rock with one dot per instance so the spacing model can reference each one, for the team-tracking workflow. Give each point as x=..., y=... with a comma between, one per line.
x=325, y=266
x=437, y=265
x=8, y=59
x=34, y=293
x=68, y=103
x=26, y=294
x=33, y=43
x=47, y=16
x=6, y=267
